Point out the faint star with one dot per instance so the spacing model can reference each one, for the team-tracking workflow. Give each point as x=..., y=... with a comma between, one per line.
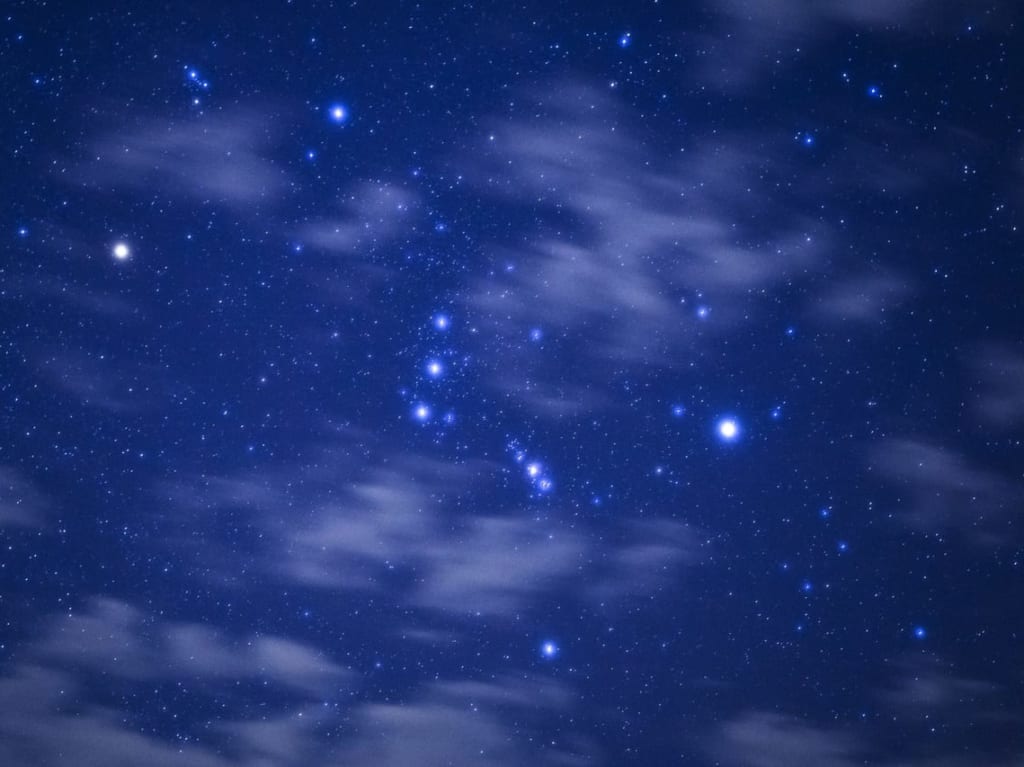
x=920, y=632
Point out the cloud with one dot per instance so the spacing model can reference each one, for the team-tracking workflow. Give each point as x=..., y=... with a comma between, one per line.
x=209, y=159
x=925, y=685
x=468, y=723
x=1000, y=373
x=21, y=503
x=627, y=244
x=103, y=382
x=55, y=713
x=411, y=527
x=761, y=739
x=113, y=638
x=865, y=298
x=374, y=214
x=751, y=39
x=947, y=492
x=962, y=721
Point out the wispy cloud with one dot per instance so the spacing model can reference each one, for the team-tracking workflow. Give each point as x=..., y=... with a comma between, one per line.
x=209, y=159
x=409, y=524
x=1000, y=399
x=55, y=714
x=947, y=491
x=627, y=244
x=22, y=504
x=114, y=638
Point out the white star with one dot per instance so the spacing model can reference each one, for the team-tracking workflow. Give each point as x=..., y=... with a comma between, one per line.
x=121, y=251
x=728, y=429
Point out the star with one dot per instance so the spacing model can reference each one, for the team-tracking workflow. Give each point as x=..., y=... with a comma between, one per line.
x=874, y=92
x=549, y=650
x=625, y=39
x=536, y=334
x=920, y=632
x=338, y=114
x=728, y=429
x=421, y=412
x=434, y=368
x=678, y=411
x=442, y=321
x=121, y=251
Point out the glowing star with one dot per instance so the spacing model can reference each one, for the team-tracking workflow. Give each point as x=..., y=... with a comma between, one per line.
x=919, y=632
x=421, y=412
x=536, y=334
x=703, y=312
x=549, y=650
x=338, y=114
x=442, y=321
x=625, y=40
x=533, y=470
x=678, y=411
x=544, y=485
x=728, y=429
x=121, y=251
x=434, y=368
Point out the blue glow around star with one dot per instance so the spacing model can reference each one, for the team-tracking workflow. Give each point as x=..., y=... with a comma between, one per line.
x=728, y=429
x=337, y=114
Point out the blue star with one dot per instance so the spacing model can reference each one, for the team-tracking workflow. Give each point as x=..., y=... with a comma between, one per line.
x=807, y=587
x=442, y=321
x=536, y=334
x=843, y=547
x=919, y=632
x=337, y=114
x=549, y=650
x=625, y=40
x=421, y=412
x=678, y=411
x=874, y=92
x=434, y=368
x=825, y=512
x=703, y=312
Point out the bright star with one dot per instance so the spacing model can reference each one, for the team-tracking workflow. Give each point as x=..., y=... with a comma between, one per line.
x=536, y=334
x=919, y=632
x=549, y=650
x=874, y=92
x=533, y=470
x=728, y=429
x=625, y=40
x=703, y=312
x=421, y=412
x=338, y=114
x=442, y=321
x=435, y=369
x=121, y=251
x=678, y=411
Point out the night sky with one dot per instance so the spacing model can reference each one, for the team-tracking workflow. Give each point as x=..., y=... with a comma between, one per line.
x=393, y=384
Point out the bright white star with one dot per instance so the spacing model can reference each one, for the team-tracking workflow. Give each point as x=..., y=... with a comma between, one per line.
x=728, y=429
x=121, y=251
